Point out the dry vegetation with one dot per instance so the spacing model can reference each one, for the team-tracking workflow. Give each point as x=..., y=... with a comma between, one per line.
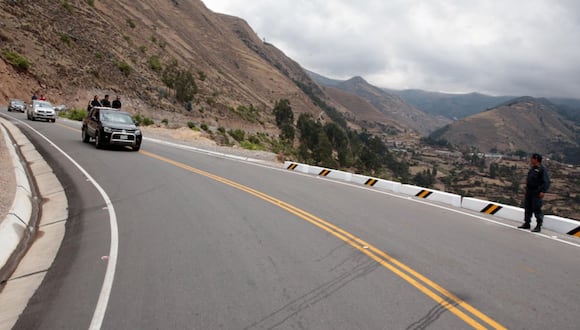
x=470, y=176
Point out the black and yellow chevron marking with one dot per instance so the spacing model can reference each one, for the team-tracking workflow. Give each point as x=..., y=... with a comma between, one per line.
x=371, y=182
x=491, y=209
x=575, y=232
x=292, y=167
x=324, y=172
x=424, y=193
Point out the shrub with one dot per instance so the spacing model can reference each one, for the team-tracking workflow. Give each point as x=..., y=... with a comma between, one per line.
x=91, y=3
x=237, y=134
x=154, y=63
x=249, y=113
x=124, y=67
x=164, y=121
x=181, y=81
x=222, y=130
x=17, y=60
x=74, y=114
x=66, y=5
x=143, y=49
x=130, y=23
x=190, y=124
x=145, y=121
x=251, y=146
x=65, y=38
x=204, y=126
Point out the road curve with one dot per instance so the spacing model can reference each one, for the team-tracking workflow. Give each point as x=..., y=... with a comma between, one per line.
x=208, y=242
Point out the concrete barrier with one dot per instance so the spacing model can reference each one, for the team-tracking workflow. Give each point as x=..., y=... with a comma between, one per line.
x=562, y=225
x=433, y=195
x=551, y=222
x=487, y=207
x=292, y=166
x=377, y=183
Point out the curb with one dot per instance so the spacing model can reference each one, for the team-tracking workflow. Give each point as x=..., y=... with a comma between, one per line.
x=40, y=205
x=16, y=229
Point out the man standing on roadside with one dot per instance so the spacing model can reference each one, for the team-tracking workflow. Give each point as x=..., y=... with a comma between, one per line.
x=537, y=184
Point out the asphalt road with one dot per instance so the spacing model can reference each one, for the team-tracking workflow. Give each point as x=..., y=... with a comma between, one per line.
x=212, y=243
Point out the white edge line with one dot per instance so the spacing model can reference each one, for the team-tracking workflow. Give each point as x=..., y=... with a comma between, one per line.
x=204, y=151
x=410, y=198
x=102, y=303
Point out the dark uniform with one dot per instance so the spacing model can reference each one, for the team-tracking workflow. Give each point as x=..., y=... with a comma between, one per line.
x=117, y=103
x=105, y=102
x=538, y=181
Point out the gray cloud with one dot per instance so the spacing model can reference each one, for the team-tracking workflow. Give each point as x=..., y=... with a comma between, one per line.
x=518, y=47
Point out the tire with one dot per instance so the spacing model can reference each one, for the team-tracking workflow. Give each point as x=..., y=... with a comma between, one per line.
x=86, y=138
x=137, y=147
x=98, y=142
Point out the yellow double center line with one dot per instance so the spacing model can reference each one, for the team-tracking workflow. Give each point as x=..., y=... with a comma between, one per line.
x=443, y=297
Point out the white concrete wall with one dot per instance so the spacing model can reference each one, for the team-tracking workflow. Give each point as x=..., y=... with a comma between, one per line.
x=551, y=222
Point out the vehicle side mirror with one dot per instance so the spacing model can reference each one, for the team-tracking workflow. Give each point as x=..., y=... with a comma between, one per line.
x=136, y=122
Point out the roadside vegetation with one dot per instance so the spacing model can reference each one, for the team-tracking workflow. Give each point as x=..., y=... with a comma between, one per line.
x=18, y=61
x=73, y=114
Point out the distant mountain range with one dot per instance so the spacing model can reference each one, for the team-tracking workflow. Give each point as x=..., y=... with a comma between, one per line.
x=527, y=124
x=375, y=103
x=488, y=123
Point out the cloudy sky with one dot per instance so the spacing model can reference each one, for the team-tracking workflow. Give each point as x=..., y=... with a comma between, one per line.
x=498, y=47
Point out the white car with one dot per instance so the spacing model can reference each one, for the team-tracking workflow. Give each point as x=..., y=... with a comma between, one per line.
x=41, y=110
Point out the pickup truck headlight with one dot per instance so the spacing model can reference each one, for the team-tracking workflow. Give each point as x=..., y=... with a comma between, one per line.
x=107, y=130
x=137, y=132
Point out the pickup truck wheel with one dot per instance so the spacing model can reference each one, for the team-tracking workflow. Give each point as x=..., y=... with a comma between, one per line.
x=86, y=137
x=137, y=147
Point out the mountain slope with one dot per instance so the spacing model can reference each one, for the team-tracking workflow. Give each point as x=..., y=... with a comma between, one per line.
x=453, y=106
x=528, y=124
x=393, y=106
x=123, y=47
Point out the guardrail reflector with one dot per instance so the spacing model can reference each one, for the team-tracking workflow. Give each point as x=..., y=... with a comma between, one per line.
x=292, y=166
x=371, y=182
x=491, y=209
x=324, y=172
x=575, y=232
x=424, y=193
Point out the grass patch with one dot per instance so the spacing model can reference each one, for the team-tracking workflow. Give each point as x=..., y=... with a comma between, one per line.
x=17, y=60
x=124, y=67
x=67, y=6
x=65, y=38
x=238, y=134
x=248, y=113
x=251, y=146
x=154, y=63
x=143, y=121
x=74, y=114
